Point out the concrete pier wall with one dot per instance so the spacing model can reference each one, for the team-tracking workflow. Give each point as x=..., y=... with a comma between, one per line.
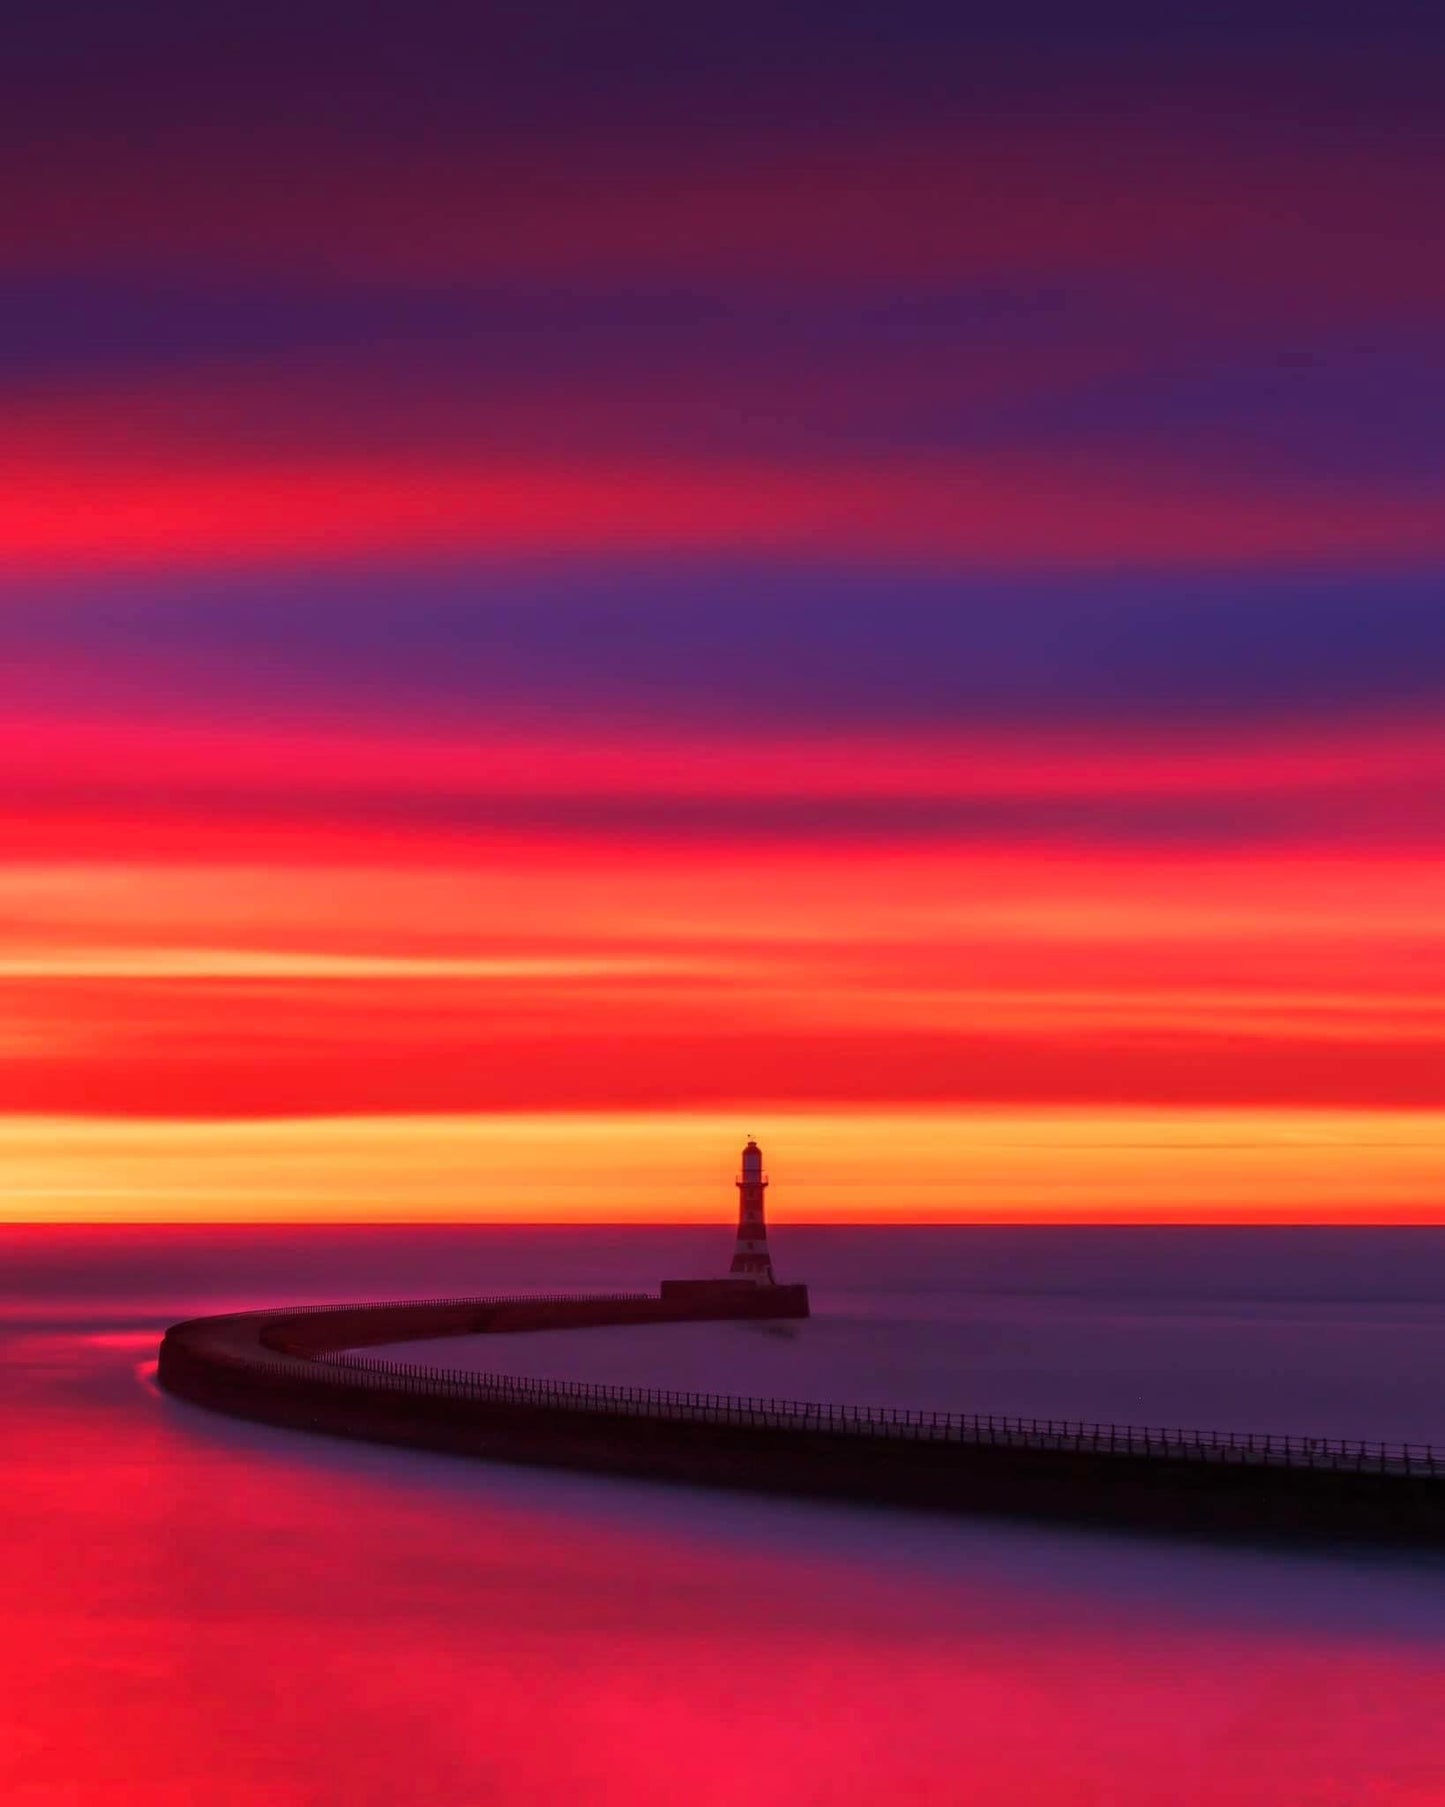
x=287, y=1369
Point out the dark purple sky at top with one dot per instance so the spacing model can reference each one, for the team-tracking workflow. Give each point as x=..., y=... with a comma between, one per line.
x=503, y=67
x=152, y=149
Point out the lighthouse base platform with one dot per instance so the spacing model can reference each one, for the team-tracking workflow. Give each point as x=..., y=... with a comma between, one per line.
x=729, y=1298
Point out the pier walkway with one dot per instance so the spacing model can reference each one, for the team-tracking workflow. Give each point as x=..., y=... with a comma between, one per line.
x=308, y=1367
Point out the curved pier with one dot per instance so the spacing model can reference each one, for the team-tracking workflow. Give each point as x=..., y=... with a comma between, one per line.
x=299, y=1368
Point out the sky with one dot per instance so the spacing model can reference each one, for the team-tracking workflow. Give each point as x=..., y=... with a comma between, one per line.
x=577, y=583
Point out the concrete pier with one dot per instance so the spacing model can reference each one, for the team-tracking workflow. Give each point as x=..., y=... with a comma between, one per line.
x=301, y=1368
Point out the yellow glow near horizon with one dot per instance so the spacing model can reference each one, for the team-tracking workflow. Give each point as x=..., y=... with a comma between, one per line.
x=842, y=1166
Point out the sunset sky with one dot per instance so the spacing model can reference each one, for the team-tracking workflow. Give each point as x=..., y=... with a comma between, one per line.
x=583, y=581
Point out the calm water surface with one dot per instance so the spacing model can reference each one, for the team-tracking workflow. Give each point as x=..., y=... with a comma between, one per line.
x=202, y=1611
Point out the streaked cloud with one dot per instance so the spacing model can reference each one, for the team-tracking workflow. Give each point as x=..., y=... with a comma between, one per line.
x=1116, y=1166
x=568, y=578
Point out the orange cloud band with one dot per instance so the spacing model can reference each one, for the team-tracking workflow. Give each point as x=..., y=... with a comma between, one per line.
x=827, y=1166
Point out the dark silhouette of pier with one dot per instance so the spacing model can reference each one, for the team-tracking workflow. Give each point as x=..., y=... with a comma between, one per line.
x=301, y=1368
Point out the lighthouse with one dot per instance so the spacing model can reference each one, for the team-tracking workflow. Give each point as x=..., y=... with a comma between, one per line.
x=751, y=1260
x=749, y=1289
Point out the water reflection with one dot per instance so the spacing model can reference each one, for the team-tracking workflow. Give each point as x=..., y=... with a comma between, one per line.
x=198, y=1610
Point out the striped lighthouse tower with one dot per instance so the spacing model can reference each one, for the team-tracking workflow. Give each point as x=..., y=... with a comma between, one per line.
x=751, y=1260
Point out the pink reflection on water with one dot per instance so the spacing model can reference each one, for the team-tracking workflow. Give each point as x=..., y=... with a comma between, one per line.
x=196, y=1610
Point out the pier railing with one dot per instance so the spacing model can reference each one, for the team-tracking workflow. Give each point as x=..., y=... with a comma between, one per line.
x=281, y=1312
x=882, y=1422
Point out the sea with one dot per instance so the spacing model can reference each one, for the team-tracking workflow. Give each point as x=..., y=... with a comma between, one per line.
x=200, y=1611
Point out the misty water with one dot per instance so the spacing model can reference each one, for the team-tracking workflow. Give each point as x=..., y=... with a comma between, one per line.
x=203, y=1610
x=1267, y=1331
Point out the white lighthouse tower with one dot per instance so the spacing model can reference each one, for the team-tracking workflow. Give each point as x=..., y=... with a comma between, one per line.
x=751, y=1260
x=750, y=1289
